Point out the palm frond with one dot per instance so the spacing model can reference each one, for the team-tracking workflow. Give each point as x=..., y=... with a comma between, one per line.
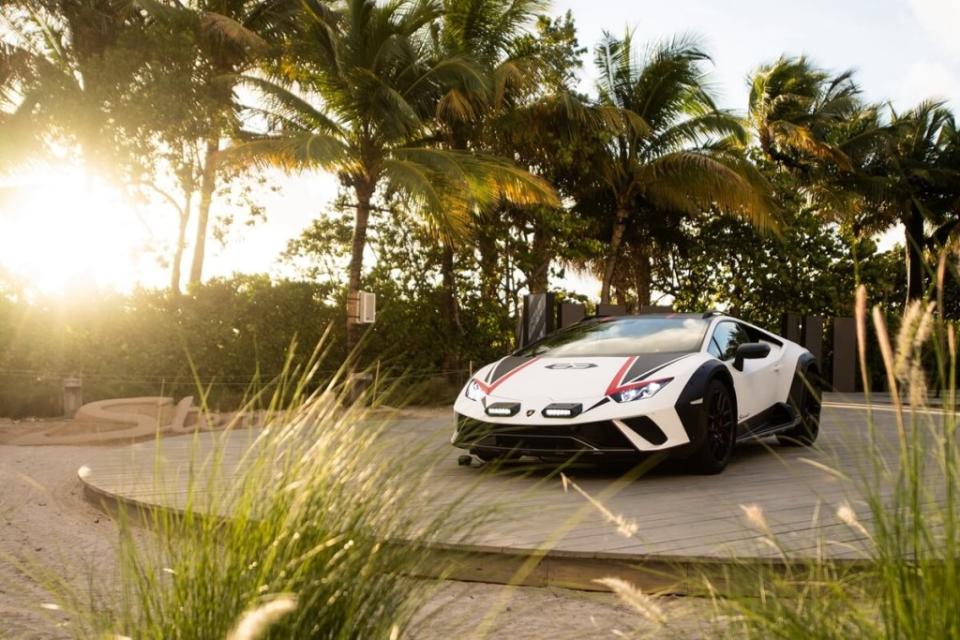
x=455, y=106
x=443, y=206
x=483, y=179
x=307, y=150
x=694, y=181
x=226, y=31
x=293, y=108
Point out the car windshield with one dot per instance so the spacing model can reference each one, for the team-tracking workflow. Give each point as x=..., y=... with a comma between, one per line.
x=622, y=337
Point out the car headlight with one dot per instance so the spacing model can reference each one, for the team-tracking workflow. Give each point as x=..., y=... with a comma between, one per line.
x=475, y=391
x=640, y=392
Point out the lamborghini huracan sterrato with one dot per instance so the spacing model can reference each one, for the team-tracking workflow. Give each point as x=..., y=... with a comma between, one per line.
x=619, y=388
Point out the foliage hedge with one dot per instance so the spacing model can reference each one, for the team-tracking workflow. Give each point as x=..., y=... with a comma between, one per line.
x=223, y=334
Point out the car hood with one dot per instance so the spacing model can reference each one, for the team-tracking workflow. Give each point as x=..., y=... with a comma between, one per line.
x=568, y=378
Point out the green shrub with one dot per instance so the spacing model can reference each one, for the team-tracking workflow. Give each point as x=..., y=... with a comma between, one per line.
x=322, y=528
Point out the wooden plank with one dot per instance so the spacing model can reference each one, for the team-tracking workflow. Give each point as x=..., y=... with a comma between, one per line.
x=557, y=538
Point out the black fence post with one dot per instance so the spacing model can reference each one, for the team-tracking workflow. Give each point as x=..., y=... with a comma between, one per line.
x=790, y=327
x=611, y=310
x=569, y=313
x=813, y=337
x=844, y=355
x=652, y=308
x=539, y=316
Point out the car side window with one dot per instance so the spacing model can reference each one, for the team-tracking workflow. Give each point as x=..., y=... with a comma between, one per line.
x=727, y=336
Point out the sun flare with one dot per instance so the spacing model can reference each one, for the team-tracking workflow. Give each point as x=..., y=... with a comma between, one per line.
x=64, y=230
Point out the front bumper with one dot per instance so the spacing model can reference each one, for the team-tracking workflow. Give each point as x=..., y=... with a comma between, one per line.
x=598, y=439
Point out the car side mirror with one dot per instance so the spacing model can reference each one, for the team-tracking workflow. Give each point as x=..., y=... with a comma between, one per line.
x=750, y=351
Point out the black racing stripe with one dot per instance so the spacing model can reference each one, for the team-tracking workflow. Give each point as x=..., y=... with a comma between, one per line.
x=649, y=363
x=505, y=366
x=603, y=400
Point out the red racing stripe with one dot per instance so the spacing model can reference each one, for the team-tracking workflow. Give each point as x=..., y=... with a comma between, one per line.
x=615, y=383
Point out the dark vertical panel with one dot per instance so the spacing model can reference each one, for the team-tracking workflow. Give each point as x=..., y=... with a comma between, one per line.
x=539, y=316
x=611, y=310
x=844, y=354
x=813, y=336
x=570, y=313
x=790, y=327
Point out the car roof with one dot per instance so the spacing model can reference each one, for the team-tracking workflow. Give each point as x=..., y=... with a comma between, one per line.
x=664, y=316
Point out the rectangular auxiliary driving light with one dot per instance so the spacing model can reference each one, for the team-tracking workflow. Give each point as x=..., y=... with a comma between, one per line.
x=562, y=410
x=503, y=409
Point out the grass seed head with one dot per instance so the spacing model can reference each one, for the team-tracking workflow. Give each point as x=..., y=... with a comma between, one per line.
x=255, y=622
x=756, y=519
x=635, y=599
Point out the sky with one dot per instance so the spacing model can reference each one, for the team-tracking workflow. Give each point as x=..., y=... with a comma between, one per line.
x=65, y=228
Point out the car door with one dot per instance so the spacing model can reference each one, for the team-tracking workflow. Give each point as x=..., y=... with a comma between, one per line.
x=755, y=385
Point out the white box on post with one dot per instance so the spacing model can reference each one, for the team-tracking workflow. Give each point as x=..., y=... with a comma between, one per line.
x=367, y=312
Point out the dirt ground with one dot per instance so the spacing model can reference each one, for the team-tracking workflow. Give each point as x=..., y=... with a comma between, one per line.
x=47, y=529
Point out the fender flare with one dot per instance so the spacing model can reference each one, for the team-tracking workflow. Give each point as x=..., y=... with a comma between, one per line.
x=800, y=378
x=689, y=405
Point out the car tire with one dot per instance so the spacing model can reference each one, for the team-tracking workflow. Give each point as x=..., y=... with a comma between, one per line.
x=808, y=407
x=718, y=426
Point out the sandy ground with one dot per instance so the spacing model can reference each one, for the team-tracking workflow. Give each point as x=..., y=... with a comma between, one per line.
x=48, y=529
x=460, y=609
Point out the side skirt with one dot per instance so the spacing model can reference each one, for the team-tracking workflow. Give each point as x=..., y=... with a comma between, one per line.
x=776, y=419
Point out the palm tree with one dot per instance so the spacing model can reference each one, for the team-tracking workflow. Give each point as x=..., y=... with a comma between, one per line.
x=815, y=125
x=15, y=110
x=669, y=148
x=233, y=36
x=64, y=68
x=483, y=32
x=918, y=179
x=369, y=87
x=870, y=170
x=531, y=115
x=795, y=108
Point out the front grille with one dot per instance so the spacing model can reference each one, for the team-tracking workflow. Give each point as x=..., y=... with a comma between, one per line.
x=590, y=437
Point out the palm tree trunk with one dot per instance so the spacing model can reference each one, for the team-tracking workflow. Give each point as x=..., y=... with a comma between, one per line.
x=208, y=184
x=364, y=194
x=181, y=246
x=489, y=259
x=620, y=295
x=914, y=239
x=540, y=276
x=619, y=226
x=643, y=278
x=451, y=309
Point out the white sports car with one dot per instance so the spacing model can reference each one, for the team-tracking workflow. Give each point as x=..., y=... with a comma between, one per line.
x=617, y=388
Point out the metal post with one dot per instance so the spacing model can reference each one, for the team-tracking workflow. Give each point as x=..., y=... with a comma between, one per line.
x=72, y=395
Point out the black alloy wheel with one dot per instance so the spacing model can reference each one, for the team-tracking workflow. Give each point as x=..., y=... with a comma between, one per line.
x=808, y=407
x=719, y=430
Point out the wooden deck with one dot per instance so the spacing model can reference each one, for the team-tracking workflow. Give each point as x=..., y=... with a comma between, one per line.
x=679, y=518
